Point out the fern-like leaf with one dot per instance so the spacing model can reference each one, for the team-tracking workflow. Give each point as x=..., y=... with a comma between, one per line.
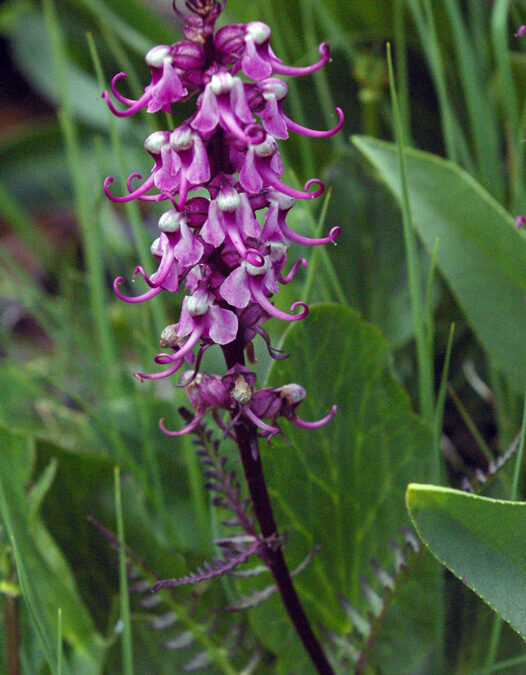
x=221, y=480
x=193, y=633
x=483, y=478
x=257, y=597
x=355, y=647
x=213, y=569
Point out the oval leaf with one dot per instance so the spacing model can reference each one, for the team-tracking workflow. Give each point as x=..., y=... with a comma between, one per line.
x=481, y=254
x=480, y=540
x=342, y=486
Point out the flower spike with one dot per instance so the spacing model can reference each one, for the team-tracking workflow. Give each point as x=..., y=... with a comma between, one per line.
x=229, y=260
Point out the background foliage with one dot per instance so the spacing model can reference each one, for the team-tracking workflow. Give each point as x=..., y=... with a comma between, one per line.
x=426, y=192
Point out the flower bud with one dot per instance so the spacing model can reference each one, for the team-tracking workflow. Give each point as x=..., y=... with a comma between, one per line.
x=182, y=138
x=291, y=396
x=188, y=55
x=222, y=83
x=196, y=211
x=255, y=270
x=292, y=393
x=205, y=390
x=266, y=403
x=268, y=148
x=272, y=87
x=229, y=43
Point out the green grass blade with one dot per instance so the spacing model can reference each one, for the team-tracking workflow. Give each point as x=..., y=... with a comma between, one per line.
x=34, y=613
x=520, y=457
x=482, y=121
x=59, y=642
x=500, y=34
x=127, y=644
x=402, y=75
x=471, y=425
x=438, y=473
x=90, y=232
x=501, y=666
x=424, y=357
x=21, y=222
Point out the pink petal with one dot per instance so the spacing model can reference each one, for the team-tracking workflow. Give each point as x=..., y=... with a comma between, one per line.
x=254, y=66
x=207, y=119
x=213, y=231
x=273, y=121
x=239, y=104
x=186, y=323
x=188, y=251
x=249, y=177
x=223, y=325
x=199, y=170
x=246, y=221
x=234, y=288
x=168, y=90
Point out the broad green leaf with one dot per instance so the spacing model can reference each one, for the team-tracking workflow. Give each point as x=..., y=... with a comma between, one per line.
x=370, y=255
x=481, y=254
x=481, y=540
x=45, y=578
x=342, y=486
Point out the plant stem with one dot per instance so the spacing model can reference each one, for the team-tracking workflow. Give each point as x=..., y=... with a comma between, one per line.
x=272, y=555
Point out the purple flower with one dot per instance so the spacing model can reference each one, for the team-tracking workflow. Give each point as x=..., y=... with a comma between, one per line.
x=173, y=68
x=177, y=250
x=247, y=47
x=266, y=99
x=230, y=216
x=276, y=228
x=235, y=393
x=223, y=103
x=166, y=87
x=248, y=283
x=262, y=168
x=201, y=317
